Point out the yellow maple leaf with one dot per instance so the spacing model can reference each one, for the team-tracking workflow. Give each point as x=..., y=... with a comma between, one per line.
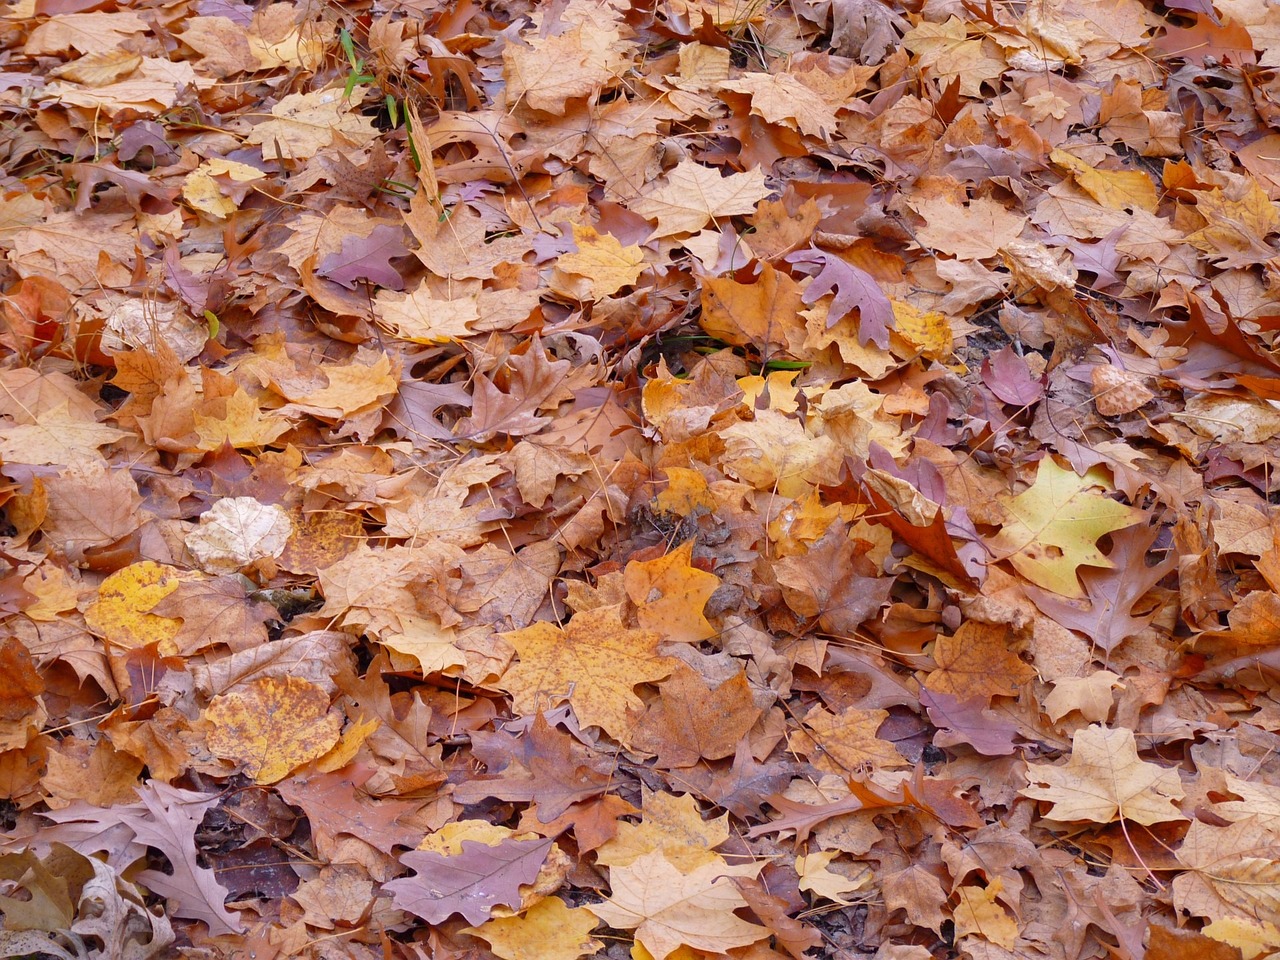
x=272, y=726
x=601, y=267
x=673, y=825
x=693, y=195
x=1236, y=226
x=1105, y=781
x=548, y=930
x=668, y=908
x=546, y=71
x=980, y=914
x=242, y=425
x=1054, y=526
x=670, y=593
x=1117, y=189
x=595, y=663
x=845, y=743
x=774, y=452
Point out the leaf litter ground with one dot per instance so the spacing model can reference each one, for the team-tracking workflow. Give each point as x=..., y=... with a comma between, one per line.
x=640, y=480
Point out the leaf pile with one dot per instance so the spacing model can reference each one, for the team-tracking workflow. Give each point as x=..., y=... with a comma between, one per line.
x=542, y=480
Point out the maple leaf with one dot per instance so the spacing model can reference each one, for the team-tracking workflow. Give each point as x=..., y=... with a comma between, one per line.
x=674, y=826
x=122, y=614
x=691, y=722
x=554, y=69
x=693, y=195
x=1105, y=781
x=302, y=124
x=470, y=883
x=978, y=661
x=595, y=663
x=548, y=931
x=670, y=594
x=668, y=908
x=1052, y=528
x=56, y=436
x=600, y=267
x=765, y=314
x=367, y=258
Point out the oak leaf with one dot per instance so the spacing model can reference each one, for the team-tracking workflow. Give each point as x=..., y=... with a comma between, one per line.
x=470, y=883
x=533, y=383
x=668, y=908
x=272, y=726
x=853, y=288
x=595, y=663
x=1052, y=528
x=1105, y=780
x=167, y=820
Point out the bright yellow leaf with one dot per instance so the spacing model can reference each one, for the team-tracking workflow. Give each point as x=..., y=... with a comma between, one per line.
x=595, y=663
x=273, y=726
x=548, y=930
x=1116, y=189
x=121, y=614
x=1053, y=528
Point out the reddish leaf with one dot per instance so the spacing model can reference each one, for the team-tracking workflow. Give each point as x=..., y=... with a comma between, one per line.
x=470, y=884
x=367, y=258
x=854, y=289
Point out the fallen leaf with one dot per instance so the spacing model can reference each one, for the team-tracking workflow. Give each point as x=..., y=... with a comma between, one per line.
x=548, y=931
x=470, y=883
x=272, y=726
x=1104, y=780
x=1053, y=527
x=595, y=663
x=669, y=909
